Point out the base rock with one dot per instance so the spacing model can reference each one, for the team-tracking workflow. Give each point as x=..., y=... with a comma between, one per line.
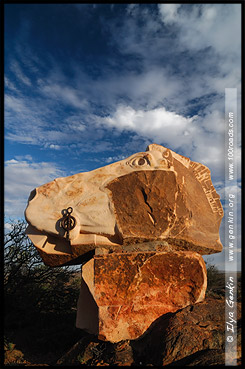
x=192, y=336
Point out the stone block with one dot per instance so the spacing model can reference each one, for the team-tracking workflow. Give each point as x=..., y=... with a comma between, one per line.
x=132, y=290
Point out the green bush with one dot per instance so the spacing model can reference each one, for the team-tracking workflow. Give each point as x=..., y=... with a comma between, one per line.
x=215, y=282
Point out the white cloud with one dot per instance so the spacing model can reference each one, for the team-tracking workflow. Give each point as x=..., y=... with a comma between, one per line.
x=197, y=45
x=204, y=25
x=186, y=135
x=7, y=226
x=131, y=8
x=169, y=12
x=55, y=147
x=35, y=120
x=29, y=60
x=215, y=28
x=157, y=124
x=235, y=189
x=21, y=177
x=25, y=115
x=112, y=159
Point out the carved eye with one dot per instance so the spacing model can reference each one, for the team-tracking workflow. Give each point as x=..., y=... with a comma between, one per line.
x=139, y=161
x=166, y=154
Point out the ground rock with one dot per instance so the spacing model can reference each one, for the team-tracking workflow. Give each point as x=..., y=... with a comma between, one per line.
x=90, y=351
x=203, y=358
x=184, y=337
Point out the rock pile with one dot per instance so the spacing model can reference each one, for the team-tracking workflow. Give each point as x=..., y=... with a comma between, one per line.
x=192, y=336
x=139, y=228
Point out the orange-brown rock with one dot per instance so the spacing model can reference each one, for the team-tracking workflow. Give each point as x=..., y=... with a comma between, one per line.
x=155, y=200
x=129, y=291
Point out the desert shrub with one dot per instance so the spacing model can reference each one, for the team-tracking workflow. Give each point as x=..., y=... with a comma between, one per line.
x=39, y=301
x=27, y=281
x=213, y=275
x=216, y=281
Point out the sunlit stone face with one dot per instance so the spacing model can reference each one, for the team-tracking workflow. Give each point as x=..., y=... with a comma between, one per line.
x=153, y=200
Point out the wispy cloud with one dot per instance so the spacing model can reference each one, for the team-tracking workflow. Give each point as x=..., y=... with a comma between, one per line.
x=66, y=94
x=18, y=72
x=9, y=85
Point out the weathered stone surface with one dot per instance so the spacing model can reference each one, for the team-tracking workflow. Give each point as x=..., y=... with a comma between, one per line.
x=132, y=290
x=152, y=201
x=185, y=337
x=90, y=351
x=203, y=323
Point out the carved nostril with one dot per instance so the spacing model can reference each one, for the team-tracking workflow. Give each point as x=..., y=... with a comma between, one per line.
x=32, y=195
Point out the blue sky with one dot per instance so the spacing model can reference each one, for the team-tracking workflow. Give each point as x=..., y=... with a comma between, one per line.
x=90, y=84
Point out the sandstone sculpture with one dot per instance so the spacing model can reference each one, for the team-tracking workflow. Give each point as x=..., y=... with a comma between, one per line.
x=154, y=201
x=148, y=219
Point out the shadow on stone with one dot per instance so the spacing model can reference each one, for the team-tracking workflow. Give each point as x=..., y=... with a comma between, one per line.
x=147, y=349
x=87, y=310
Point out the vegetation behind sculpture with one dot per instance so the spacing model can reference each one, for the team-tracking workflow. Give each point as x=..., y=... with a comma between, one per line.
x=40, y=301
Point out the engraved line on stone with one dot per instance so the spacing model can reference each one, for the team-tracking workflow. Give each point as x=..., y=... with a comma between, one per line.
x=151, y=218
x=203, y=176
x=118, y=312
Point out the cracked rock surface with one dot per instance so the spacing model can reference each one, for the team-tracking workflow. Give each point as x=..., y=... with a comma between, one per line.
x=129, y=291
